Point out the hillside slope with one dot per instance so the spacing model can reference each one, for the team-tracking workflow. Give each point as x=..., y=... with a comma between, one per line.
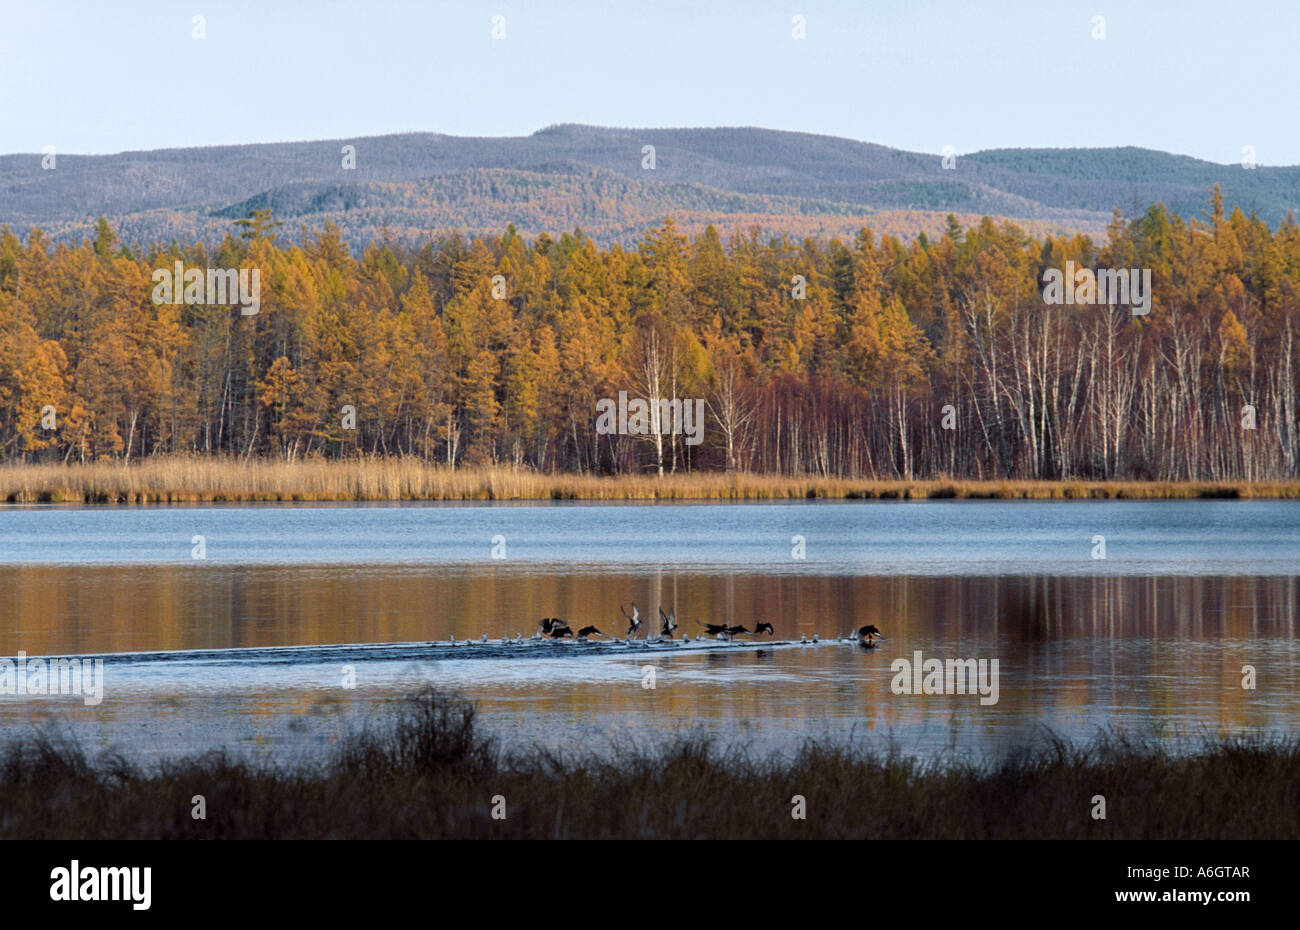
x=564, y=176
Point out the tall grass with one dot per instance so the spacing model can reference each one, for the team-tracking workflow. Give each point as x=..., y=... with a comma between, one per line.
x=208, y=479
x=429, y=773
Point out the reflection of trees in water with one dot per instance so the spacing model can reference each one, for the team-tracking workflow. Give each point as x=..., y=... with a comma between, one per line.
x=51, y=611
x=1075, y=652
x=1040, y=608
x=1024, y=608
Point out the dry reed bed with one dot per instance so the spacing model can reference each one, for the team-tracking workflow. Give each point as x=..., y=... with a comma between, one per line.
x=211, y=480
x=432, y=774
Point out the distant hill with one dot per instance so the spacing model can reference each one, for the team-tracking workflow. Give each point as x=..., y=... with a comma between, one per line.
x=414, y=185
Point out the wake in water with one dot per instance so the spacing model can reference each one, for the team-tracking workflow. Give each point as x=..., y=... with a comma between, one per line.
x=482, y=648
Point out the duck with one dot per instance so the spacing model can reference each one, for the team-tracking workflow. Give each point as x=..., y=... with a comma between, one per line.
x=764, y=627
x=868, y=635
x=550, y=624
x=668, y=621
x=713, y=629
x=588, y=631
x=634, y=621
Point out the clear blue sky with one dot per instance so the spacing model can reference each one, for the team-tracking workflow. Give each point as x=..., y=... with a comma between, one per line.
x=1187, y=76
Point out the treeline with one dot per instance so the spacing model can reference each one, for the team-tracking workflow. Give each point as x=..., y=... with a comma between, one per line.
x=859, y=358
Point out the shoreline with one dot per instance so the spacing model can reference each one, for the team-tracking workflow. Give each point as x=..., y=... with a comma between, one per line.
x=209, y=481
x=429, y=771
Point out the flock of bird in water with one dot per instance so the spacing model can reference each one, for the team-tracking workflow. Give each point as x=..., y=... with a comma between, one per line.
x=555, y=628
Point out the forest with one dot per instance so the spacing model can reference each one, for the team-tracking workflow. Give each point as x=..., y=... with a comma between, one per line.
x=873, y=357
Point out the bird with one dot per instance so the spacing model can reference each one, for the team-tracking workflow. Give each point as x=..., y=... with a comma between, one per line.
x=713, y=629
x=763, y=627
x=559, y=631
x=634, y=621
x=588, y=631
x=669, y=621
x=550, y=624
x=867, y=636
x=733, y=630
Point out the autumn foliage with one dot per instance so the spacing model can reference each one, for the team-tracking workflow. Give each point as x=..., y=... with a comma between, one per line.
x=494, y=351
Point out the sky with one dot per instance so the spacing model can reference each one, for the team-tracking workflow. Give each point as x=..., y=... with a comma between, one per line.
x=1191, y=77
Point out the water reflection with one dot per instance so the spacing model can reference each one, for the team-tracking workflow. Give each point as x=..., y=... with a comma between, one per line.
x=52, y=609
x=1158, y=655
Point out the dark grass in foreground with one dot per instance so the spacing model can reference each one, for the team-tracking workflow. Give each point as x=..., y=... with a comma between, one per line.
x=431, y=774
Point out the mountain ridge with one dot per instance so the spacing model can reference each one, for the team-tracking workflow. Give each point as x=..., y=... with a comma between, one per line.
x=739, y=176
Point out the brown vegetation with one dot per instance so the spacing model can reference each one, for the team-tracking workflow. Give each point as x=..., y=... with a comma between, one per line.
x=431, y=774
x=197, y=479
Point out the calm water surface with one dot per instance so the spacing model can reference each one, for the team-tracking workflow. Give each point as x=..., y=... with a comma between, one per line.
x=1151, y=639
x=926, y=538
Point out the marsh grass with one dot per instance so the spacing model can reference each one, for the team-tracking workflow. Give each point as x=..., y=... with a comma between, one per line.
x=429, y=773
x=173, y=480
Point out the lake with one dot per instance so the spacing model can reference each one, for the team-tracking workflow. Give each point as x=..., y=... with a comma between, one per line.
x=275, y=629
